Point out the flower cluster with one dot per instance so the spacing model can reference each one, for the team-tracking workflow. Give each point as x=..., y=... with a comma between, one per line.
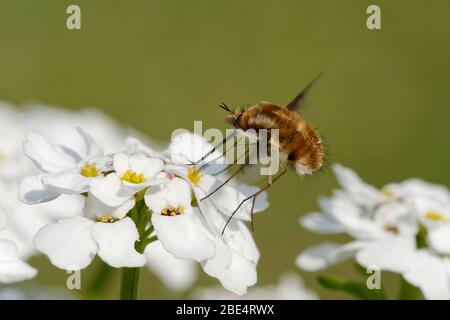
x=402, y=228
x=20, y=222
x=137, y=200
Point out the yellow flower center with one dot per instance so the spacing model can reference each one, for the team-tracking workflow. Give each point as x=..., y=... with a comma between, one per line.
x=171, y=211
x=2, y=157
x=89, y=170
x=132, y=177
x=106, y=219
x=388, y=193
x=194, y=175
x=435, y=216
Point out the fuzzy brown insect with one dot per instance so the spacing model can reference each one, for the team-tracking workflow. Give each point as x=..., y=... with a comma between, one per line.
x=299, y=143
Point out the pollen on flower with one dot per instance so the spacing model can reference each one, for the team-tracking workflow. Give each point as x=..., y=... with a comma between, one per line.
x=388, y=193
x=133, y=177
x=106, y=219
x=89, y=170
x=391, y=228
x=171, y=211
x=194, y=175
x=435, y=216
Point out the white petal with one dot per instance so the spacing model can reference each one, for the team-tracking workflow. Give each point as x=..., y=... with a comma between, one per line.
x=439, y=239
x=92, y=149
x=32, y=191
x=44, y=155
x=135, y=145
x=239, y=238
x=217, y=265
x=176, y=274
x=178, y=192
x=184, y=235
x=414, y=189
x=65, y=206
x=324, y=255
x=67, y=183
x=68, y=243
x=351, y=216
x=188, y=147
x=116, y=243
x=320, y=223
x=121, y=165
x=150, y=167
x=155, y=200
x=110, y=191
x=239, y=275
x=12, y=269
x=430, y=274
x=3, y=219
x=394, y=255
x=94, y=208
x=227, y=198
x=359, y=190
x=174, y=193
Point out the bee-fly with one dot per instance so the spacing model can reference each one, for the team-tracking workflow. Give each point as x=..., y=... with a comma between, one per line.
x=299, y=143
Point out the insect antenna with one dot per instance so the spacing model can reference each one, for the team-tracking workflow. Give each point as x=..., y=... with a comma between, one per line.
x=225, y=107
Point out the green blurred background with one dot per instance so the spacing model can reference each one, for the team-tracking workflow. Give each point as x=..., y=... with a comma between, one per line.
x=382, y=104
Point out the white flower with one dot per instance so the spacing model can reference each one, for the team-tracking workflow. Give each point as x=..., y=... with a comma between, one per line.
x=384, y=225
x=12, y=161
x=420, y=267
x=360, y=210
x=130, y=174
x=176, y=274
x=186, y=148
x=65, y=172
x=72, y=244
x=24, y=221
x=12, y=268
x=232, y=257
x=289, y=287
x=179, y=226
x=109, y=185
x=428, y=267
x=58, y=123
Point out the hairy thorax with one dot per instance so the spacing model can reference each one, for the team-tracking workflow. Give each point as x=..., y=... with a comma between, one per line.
x=298, y=141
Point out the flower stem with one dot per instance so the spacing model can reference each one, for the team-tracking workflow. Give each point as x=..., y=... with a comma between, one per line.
x=130, y=283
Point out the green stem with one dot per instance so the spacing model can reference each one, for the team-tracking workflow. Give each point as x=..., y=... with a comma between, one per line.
x=130, y=276
x=130, y=283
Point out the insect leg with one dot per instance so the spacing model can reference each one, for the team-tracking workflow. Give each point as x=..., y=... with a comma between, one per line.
x=251, y=214
x=267, y=186
x=231, y=135
x=206, y=164
x=246, y=154
x=223, y=183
